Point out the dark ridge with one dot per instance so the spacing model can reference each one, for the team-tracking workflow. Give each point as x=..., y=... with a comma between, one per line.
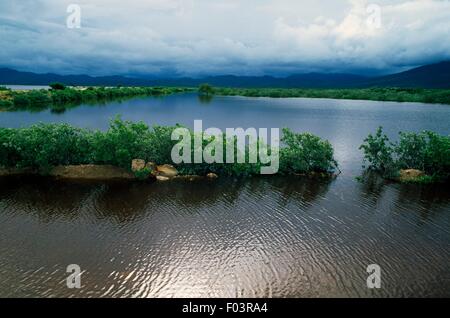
x=427, y=76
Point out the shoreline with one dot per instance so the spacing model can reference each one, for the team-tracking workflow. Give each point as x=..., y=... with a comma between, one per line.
x=133, y=150
x=106, y=173
x=382, y=94
x=69, y=97
x=112, y=173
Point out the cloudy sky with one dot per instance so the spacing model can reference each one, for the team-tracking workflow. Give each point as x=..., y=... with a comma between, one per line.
x=202, y=37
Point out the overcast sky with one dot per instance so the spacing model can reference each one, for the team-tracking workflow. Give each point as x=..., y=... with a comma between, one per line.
x=202, y=37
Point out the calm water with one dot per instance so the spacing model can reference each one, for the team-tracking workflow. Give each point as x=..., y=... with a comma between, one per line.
x=279, y=237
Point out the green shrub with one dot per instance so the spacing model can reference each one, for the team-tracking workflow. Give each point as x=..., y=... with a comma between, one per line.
x=425, y=151
x=121, y=143
x=411, y=150
x=57, y=86
x=205, y=89
x=224, y=169
x=31, y=99
x=21, y=100
x=43, y=146
x=9, y=156
x=70, y=97
x=378, y=152
x=159, y=144
x=39, y=97
x=66, y=96
x=6, y=104
x=305, y=152
x=376, y=93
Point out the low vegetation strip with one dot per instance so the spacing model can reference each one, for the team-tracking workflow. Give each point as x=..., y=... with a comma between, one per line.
x=435, y=96
x=416, y=157
x=44, y=146
x=59, y=95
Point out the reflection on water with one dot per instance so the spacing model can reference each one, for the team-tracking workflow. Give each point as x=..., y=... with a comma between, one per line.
x=205, y=99
x=280, y=237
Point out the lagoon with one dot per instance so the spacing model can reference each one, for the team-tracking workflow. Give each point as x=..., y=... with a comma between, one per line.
x=264, y=236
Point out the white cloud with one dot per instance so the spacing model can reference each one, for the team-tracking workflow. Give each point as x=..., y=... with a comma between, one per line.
x=410, y=32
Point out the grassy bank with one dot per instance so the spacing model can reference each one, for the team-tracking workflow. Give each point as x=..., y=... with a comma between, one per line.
x=65, y=97
x=441, y=96
x=426, y=152
x=44, y=146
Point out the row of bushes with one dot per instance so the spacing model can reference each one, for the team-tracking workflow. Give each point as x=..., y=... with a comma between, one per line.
x=425, y=151
x=6, y=100
x=43, y=146
x=419, y=95
x=60, y=96
x=55, y=98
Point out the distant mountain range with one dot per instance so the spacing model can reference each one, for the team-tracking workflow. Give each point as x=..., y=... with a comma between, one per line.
x=427, y=76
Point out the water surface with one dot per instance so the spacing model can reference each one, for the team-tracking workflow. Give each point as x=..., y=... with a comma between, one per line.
x=264, y=236
x=345, y=123
x=25, y=87
x=272, y=237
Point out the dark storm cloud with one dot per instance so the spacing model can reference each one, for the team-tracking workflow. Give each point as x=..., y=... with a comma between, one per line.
x=198, y=37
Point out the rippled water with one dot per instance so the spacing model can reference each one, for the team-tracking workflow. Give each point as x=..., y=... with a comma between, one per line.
x=261, y=237
x=265, y=236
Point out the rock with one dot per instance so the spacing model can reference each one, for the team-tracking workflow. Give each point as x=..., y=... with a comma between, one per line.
x=162, y=178
x=91, y=172
x=137, y=165
x=212, y=175
x=151, y=166
x=168, y=171
x=410, y=175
